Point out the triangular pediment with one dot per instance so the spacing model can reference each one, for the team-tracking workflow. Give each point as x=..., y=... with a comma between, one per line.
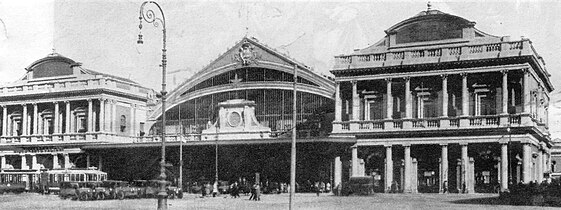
x=252, y=53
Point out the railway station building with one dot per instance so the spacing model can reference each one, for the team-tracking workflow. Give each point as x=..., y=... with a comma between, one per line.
x=438, y=105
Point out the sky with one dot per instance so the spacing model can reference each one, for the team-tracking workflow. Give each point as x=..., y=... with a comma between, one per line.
x=102, y=34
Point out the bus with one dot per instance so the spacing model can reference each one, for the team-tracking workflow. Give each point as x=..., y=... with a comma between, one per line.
x=50, y=179
x=18, y=181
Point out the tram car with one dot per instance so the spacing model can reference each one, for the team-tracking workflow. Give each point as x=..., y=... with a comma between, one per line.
x=18, y=181
x=50, y=179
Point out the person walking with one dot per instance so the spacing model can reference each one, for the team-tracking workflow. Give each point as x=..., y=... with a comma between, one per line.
x=252, y=196
x=215, y=189
x=257, y=192
x=203, y=190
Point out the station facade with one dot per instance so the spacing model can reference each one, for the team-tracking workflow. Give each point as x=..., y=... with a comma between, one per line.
x=438, y=105
x=58, y=107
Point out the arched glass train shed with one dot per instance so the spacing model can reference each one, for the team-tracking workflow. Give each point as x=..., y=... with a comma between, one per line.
x=253, y=71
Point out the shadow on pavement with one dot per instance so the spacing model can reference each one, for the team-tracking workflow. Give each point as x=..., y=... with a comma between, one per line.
x=483, y=201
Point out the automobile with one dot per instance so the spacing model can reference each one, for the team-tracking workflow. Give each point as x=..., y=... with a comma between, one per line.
x=150, y=189
x=68, y=190
x=147, y=188
x=77, y=190
x=106, y=190
x=124, y=190
x=174, y=191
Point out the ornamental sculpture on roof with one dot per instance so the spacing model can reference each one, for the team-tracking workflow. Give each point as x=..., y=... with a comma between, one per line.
x=246, y=54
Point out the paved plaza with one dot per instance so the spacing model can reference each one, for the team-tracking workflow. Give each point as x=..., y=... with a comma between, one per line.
x=271, y=202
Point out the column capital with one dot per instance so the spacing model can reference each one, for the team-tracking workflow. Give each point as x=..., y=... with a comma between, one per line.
x=464, y=74
x=388, y=145
x=337, y=82
x=388, y=79
x=443, y=144
x=406, y=79
x=444, y=76
x=406, y=145
x=34, y=103
x=463, y=144
x=3, y=105
x=102, y=99
x=55, y=102
x=525, y=70
x=504, y=71
x=23, y=104
x=67, y=101
x=354, y=82
x=89, y=100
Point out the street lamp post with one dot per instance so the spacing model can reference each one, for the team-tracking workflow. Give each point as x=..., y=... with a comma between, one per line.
x=150, y=17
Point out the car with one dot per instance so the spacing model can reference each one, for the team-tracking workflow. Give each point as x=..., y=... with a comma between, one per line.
x=174, y=191
x=124, y=190
x=107, y=190
x=147, y=188
x=77, y=190
x=68, y=190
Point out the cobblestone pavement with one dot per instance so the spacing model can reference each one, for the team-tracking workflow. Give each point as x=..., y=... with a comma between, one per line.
x=271, y=202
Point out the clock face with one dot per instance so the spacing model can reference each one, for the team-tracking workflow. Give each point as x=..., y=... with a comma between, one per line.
x=234, y=119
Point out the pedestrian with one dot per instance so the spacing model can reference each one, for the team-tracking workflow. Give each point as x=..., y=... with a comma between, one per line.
x=215, y=189
x=316, y=188
x=252, y=196
x=203, y=190
x=445, y=187
x=257, y=192
x=328, y=187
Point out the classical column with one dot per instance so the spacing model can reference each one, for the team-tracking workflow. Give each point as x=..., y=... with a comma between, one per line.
x=23, y=162
x=24, y=120
x=465, y=95
x=526, y=163
x=465, y=165
x=100, y=163
x=66, y=160
x=338, y=103
x=356, y=102
x=526, y=91
x=114, y=124
x=2, y=161
x=55, y=160
x=504, y=166
x=444, y=95
x=539, y=166
x=408, y=165
x=4, y=120
x=505, y=91
x=102, y=114
x=67, y=110
x=337, y=173
x=56, y=119
x=132, y=120
x=35, y=119
x=408, y=101
x=88, y=161
x=34, y=161
x=90, y=115
x=389, y=101
x=354, y=169
x=389, y=168
x=444, y=168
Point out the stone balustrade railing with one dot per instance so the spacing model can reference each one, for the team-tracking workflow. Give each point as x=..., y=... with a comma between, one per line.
x=465, y=122
x=435, y=55
x=73, y=85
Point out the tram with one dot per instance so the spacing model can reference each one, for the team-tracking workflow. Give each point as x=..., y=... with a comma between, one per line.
x=45, y=180
x=18, y=181
x=50, y=179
